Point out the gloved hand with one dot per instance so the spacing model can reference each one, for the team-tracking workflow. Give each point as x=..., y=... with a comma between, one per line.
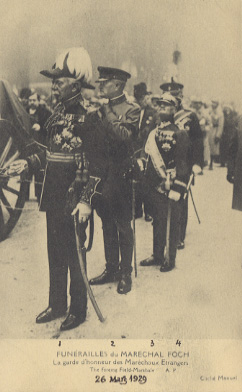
x=173, y=195
x=141, y=164
x=216, y=139
x=84, y=211
x=230, y=178
x=36, y=127
x=196, y=169
x=17, y=167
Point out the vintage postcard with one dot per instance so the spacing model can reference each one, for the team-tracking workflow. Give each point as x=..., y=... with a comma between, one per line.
x=120, y=196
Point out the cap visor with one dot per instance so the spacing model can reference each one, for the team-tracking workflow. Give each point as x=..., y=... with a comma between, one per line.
x=101, y=80
x=164, y=101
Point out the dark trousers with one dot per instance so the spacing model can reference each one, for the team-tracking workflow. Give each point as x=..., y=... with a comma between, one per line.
x=184, y=219
x=118, y=237
x=139, y=203
x=62, y=253
x=158, y=207
x=38, y=182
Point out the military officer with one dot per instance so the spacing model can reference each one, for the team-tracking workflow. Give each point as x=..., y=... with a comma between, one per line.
x=120, y=120
x=187, y=120
x=165, y=182
x=73, y=142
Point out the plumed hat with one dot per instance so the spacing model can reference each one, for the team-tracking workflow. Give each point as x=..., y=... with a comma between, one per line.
x=72, y=63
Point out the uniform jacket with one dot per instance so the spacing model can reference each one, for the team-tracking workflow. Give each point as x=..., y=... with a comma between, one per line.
x=174, y=148
x=73, y=132
x=188, y=121
x=120, y=121
x=235, y=164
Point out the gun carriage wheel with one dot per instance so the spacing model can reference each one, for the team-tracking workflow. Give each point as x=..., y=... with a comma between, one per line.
x=12, y=189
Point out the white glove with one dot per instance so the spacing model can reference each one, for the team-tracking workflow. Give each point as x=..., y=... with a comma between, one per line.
x=84, y=211
x=173, y=195
x=196, y=169
x=141, y=164
x=17, y=167
x=36, y=127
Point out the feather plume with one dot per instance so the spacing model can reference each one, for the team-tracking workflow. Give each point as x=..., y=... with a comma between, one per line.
x=77, y=61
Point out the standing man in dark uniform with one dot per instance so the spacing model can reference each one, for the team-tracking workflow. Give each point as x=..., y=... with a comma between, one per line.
x=72, y=139
x=166, y=175
x=146, y=124
x=120, y=120
x=188, y=121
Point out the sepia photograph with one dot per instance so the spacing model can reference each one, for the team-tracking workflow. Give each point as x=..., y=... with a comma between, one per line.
x=121, y=195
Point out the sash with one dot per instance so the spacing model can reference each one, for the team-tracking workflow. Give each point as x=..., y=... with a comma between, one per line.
x=152, y=150
x=181, y=118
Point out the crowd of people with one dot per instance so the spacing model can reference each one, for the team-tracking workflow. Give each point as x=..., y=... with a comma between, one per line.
x=123, y=157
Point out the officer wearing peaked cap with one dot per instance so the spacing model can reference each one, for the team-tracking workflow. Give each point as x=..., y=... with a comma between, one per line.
x=120, y=120
x=166, y=175
x=187, y=120
x=172, y=87
x=74, y=141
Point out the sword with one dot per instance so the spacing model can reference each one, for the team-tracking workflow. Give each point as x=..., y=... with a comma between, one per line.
x=168, y=224
x=168, y=227
x=189, y=189
x=189, y=185
x=91, y=232
x=193, y=202
x=83, y=271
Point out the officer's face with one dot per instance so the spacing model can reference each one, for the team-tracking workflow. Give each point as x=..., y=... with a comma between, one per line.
x=66, y=88
x=166, y=109
x=108, y=89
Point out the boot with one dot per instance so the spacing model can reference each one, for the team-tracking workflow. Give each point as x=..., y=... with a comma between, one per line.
x=148, y=218
x=108, y=276
x=181, y=245
x=167, y=266
x=77, y=312
x=150, y=261
x=72, y=321
x=49, y=314
x=125, y=283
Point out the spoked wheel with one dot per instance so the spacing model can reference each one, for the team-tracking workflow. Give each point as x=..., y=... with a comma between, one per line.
x=12, y=190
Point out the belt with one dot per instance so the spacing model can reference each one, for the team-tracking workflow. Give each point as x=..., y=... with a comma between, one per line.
x=61, y=157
